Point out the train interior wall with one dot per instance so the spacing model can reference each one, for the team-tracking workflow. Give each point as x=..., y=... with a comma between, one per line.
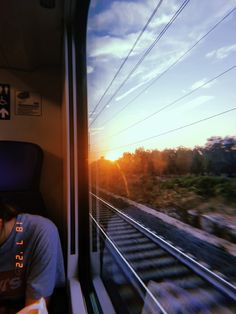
x=31, y=60
x=44, y=130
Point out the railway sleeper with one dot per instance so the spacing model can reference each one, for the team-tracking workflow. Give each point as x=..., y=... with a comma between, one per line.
x=164, y=273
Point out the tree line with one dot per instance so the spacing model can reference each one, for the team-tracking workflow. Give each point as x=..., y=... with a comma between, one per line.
x=217, y=157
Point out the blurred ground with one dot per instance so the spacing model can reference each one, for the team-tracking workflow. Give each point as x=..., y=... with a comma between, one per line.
x=217, y=253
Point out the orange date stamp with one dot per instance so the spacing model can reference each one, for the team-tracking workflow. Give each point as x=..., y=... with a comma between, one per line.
x=19, y=258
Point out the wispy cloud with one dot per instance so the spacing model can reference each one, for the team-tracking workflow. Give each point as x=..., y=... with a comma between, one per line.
x=163, y=19
x=222, y=52
x=131, y=90
x=200, y=83
x=147, y=73
x=196, y=102
x=114, y=47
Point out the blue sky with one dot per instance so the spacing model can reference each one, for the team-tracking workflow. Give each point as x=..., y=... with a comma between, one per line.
x=113, y=27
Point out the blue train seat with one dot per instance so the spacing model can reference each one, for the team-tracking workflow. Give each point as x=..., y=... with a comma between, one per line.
x=20, y=169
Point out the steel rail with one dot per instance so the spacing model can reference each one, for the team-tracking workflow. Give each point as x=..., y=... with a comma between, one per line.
x=128, y=265
x=214, y=279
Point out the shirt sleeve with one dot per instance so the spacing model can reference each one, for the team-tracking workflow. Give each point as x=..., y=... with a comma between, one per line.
x=46, y=267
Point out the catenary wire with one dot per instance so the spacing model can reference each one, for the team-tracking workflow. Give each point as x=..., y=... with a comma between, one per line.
x=177, y=13
x=143, y=57
x=171, y=66
x=173, y=102
x=128, y=55
x=169, y=131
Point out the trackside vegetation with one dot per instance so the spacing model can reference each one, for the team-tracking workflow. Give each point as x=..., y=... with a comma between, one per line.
x=180, y=182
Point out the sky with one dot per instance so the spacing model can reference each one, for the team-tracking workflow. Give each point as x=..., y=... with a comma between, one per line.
x=151, y=107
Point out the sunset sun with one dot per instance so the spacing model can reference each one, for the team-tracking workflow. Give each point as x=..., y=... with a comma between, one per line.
x=113, y=156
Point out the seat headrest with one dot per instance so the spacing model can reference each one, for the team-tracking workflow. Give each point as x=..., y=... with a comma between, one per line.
x=20, y=166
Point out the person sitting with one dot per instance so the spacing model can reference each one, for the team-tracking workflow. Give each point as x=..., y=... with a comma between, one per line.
x=31, y=260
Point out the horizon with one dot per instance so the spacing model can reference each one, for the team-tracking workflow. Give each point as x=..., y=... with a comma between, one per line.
x=113, y=157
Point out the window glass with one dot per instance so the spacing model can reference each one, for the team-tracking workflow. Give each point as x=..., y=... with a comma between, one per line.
x=161, y=90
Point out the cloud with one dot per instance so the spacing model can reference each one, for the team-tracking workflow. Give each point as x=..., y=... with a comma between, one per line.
x=147, y=73
x=163, y=19
x=159, y=61
x=130, y=91
x=106, y=54
x=119, y=47
x=200, y=83
x=196, y=102
x=122, y=17
x=90, y=69
x=111, y=46
x=222, y=52
x=114, y=30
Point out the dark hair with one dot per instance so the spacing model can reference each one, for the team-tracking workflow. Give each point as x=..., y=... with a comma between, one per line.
x=7, y=209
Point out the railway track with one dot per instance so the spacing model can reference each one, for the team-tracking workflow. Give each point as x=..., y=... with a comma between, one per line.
x=165, y=279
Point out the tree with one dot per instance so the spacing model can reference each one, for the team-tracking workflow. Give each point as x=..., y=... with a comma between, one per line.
x=220, y=155
x=198, y=161
x=159, y=162
x=183, y=160
x=169, y=155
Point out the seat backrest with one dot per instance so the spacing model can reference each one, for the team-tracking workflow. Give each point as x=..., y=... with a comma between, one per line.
x=20, y=166
x=20, y=170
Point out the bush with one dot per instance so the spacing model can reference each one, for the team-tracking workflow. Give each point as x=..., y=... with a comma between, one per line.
x=206, y=186
x=226, y=189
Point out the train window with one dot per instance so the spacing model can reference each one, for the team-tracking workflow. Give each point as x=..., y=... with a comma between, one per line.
x=162, y=154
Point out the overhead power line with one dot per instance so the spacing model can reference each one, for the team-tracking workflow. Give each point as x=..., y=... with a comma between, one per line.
x=128, y=55
x=169, y=131
x=170, y=67
x=174, y=102
x=177, y=13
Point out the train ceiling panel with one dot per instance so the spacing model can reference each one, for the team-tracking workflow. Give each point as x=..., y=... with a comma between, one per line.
x=31, y=34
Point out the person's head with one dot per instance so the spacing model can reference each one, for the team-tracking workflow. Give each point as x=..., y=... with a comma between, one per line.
x=7, y=211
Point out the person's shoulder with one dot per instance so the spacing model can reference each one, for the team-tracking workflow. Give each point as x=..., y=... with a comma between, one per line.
x=37, y=223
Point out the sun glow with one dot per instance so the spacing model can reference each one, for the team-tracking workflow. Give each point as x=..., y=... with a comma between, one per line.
x=113, y=155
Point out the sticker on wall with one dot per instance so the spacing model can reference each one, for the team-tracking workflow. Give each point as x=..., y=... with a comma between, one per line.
x=5, y=113
x=28, y=103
